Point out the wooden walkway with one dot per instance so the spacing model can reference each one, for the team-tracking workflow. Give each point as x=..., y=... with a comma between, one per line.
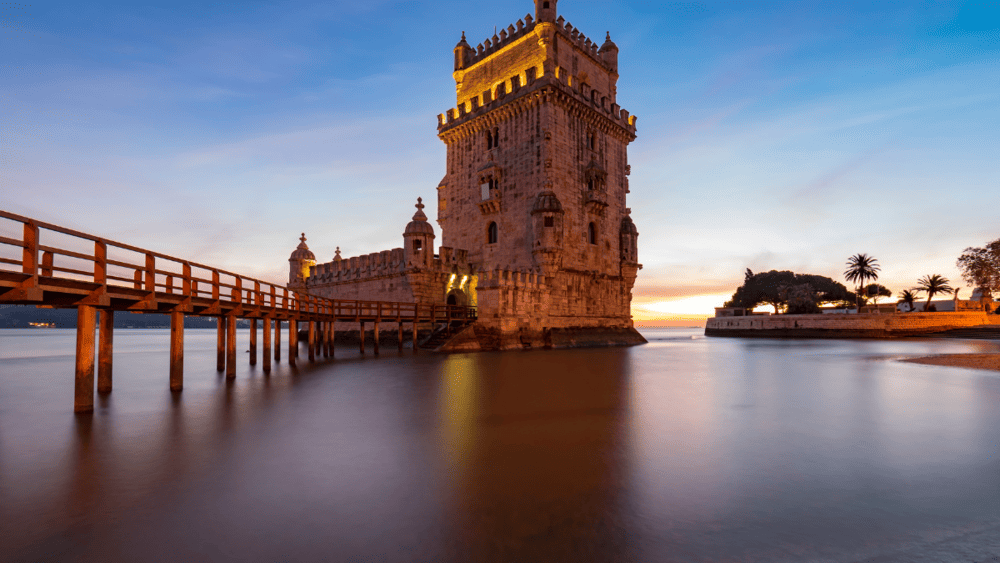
x=63, y=268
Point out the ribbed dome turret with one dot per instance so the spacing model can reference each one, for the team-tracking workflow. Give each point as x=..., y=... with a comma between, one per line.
x=628, y=227
x=302, y=252
x=463, y=43
x=419, y=224
x=609, y=44
x=547, y=201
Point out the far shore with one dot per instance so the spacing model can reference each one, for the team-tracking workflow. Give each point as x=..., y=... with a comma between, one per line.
x=972, y=361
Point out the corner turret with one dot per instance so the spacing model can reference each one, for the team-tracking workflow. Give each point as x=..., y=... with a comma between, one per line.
x=545, y=11
x=463, y=54
x=299, y=263
x=418, y=239
x=629, y=240
x=609, y=54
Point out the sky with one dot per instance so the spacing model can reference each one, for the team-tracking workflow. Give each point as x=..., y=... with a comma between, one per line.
x=771, y=135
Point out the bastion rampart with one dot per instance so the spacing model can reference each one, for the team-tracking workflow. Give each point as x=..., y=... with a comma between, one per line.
x=846, y=325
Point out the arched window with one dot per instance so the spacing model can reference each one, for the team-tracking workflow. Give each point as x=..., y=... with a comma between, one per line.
x=592, y=233
x=496, y=137
x=489, y=140
x=590, y=184
x=492, y=233
x=417, y=245
x=593, y=141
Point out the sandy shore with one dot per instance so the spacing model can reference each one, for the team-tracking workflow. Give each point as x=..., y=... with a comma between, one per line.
x=974, y=361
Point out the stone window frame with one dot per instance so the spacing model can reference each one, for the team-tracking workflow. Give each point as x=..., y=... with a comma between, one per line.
x=492, y=138
x=492, y=233
x=549, y=222
x=592, y=233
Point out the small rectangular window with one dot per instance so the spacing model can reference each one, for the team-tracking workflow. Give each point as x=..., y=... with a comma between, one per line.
x=417, y=245
x=550, y=222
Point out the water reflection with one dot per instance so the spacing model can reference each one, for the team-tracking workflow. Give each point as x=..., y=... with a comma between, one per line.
x=684, y=450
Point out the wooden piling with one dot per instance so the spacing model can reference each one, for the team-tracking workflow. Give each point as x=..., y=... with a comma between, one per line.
x=399, y=326
x=329, y=339
x=220, y=362
x=176, y=351
x=293, y=341
x=311, y=345
x=361, y=335
x=253, y=342
x=86, y=318
x=277, y=340
x=267, y=345
x=230, y=346
x=105, y=351
x=333, y=338
x=375, y=337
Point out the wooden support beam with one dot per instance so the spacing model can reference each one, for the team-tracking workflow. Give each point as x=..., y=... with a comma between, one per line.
x=86, y=317
x=375, y=337
x=220, y=359
x=176, y=351
x=312, y=341
x=361, y=335
x=230, y=346
x=333, y=338
x=253, y=342
x=277, y=340
x=105, y=351
x=267, y=345
x=399, y=326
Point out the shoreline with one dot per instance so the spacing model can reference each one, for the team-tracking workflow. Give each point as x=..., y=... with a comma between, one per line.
x=989, y=362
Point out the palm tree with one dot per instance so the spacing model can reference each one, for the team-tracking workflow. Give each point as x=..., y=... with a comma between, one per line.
x=861, y=268
x=908, y=296
x=932, y=285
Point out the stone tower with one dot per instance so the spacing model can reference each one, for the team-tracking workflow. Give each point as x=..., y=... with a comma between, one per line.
x=537, y=177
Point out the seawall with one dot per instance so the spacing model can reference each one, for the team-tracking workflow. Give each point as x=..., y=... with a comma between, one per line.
x=845, y=326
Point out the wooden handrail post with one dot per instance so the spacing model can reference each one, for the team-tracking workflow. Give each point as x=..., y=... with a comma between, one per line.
x=215, y=285
x=170, y=284
x=186, y=286
x=101, y=264
x=47, y=259
x=29, y=256
x=137, y=279
x=150, y=273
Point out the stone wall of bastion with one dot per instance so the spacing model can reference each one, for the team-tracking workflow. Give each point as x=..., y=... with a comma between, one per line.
x=844, y=326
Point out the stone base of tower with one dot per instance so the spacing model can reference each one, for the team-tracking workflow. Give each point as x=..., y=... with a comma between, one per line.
x=479, y=338
x=527, y=310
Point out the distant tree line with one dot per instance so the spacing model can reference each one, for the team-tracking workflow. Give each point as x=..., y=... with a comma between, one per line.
x=792, y=293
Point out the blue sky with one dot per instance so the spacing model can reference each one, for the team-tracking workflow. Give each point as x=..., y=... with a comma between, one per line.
x=772, y=135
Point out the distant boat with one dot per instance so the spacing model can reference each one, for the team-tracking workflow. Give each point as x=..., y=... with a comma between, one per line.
x=42, y=325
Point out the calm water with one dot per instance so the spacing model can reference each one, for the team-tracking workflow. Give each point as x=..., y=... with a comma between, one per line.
x=688, y=449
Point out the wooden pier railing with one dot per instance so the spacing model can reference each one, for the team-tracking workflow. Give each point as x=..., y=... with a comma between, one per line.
x=63, y=268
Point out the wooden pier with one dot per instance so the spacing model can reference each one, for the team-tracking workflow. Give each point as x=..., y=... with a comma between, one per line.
x=63, y=268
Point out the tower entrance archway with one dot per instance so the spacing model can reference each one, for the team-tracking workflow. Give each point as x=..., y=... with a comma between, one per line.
x=458, y=297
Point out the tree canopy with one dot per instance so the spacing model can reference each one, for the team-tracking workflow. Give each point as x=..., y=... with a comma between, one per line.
x=798, y=293
x=981, y=267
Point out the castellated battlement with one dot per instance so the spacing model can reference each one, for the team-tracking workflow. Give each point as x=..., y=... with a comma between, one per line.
x=524, y=27
x=385, y=263
x=512, y=89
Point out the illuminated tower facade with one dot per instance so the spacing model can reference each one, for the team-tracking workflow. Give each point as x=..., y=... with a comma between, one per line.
x=537, y=178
